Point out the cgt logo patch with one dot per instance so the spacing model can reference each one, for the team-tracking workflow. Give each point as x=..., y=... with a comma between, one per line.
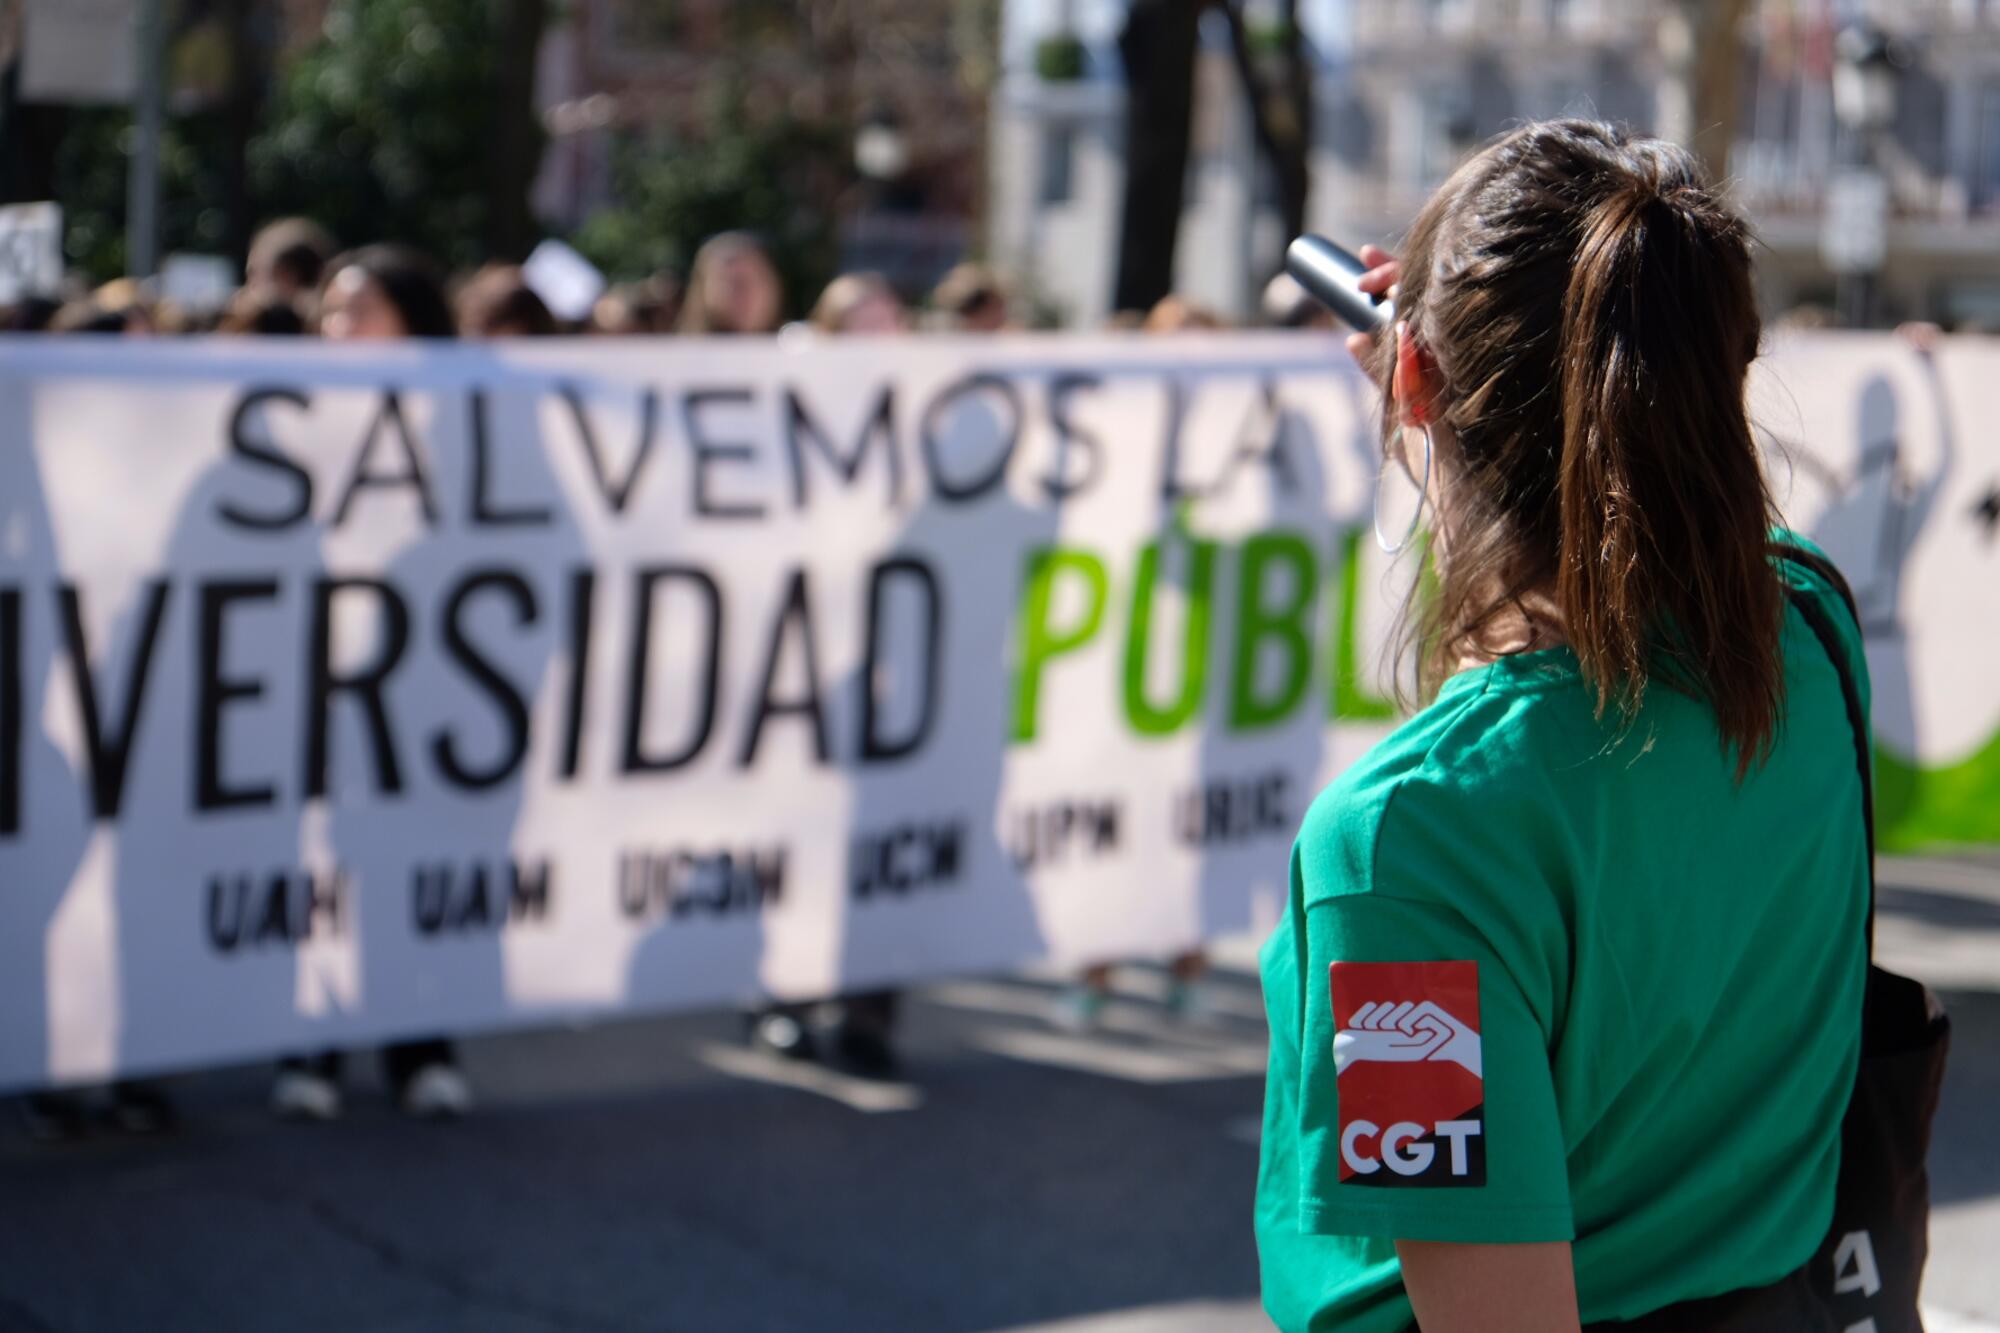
x=1406, y=1061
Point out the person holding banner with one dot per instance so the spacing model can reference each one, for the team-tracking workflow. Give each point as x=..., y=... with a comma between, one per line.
x=733, y=287
x=381, y=293
x=126, y=1105
x=375, y=293
x=497, y=302
x=860, y=303
x=288, y=258
x=973, y=299
x=1080, y=1006
x=864, y=1028
x=1565, y=1007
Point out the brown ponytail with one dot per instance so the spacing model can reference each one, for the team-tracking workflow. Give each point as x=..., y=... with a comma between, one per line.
x=1588, y=301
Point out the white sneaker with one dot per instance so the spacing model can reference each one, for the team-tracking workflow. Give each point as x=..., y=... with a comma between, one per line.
x=437, y=1092
x=304, y=1094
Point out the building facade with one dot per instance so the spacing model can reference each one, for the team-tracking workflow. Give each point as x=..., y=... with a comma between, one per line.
x=1405, y=89
x=1057, y=167
x=1941, y=156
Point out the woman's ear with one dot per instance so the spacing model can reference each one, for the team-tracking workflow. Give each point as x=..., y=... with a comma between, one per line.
x=1415, y=379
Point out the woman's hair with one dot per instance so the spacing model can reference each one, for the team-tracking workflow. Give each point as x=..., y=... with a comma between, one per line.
x=968, y=292
x=651, y=305
x=1587, y=300
x=497, y=300
x=255, y=313
x=88, y=317
x=1173, y=313
x=409, y=280
x=289, y=250
x=847, y=294
x=699, y=311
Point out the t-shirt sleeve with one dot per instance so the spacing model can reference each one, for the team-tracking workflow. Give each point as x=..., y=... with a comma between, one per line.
x=1427, y=1108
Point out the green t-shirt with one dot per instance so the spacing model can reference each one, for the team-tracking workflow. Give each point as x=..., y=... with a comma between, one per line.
x=1540, y=980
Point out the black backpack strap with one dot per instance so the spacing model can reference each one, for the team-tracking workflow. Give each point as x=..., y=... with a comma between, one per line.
x=1823, y=629
x=1824, y=568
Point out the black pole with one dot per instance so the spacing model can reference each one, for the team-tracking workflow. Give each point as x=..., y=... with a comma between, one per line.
x=1854, y=299
x=1158, y=43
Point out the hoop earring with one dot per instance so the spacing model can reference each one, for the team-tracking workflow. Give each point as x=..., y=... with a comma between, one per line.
x=1401, y=543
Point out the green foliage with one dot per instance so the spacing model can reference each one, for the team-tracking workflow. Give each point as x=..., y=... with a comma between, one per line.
x=381, y=130
x=777, y=178
x=975, y=28
x=1270, y=39
x=1059, y=59
x=91, y=183
x=747, y=21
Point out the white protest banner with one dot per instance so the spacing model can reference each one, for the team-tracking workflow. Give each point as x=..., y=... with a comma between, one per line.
x=1876, y=451
x=350, y=693
x=354, y=693
x=31, y=259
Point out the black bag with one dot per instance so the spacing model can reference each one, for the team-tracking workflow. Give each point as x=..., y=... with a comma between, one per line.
x=1867, y=1272
x=1871, y=1264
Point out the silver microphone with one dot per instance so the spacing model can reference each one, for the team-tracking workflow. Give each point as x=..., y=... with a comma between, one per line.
x=1330, y=274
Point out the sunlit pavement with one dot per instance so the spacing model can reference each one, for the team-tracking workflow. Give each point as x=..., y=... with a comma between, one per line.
x=655, y=1176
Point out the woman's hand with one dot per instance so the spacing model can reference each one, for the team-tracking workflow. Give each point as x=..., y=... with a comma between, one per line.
x=1383, y=271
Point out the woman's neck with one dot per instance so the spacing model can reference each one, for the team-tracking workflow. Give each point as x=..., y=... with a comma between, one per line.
x=1528, y=622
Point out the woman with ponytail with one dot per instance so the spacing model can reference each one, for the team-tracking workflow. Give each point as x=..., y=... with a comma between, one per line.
x=1565, y=1007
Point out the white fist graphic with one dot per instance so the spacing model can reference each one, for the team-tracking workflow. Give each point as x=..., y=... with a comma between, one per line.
x=1404, y=1034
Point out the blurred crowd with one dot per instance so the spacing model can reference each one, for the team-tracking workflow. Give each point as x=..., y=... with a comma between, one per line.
x=298, y=282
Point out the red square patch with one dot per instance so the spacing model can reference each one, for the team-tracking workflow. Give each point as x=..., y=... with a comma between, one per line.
x=1407, y=1068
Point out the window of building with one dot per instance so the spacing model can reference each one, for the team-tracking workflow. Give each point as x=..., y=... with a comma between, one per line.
x=1449, y=15
x=1264, y=192
x=1775, y=114
x=1986, y=168
x=1448, y=134
x=1058, y=163
x=1560, y=96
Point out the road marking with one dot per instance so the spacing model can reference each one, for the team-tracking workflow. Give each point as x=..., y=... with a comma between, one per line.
x=1221, y=999
x=1178, y=1317
x=1131, y=1041
x=1225, y=995
x=1121, y=1016
x=1115, y=1060
x=860, y=1094
x=1939, y=1321
x=1913, y=872
x=990, y=997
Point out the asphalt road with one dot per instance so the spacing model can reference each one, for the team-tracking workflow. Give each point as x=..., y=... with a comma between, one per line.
x=652, y=1175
